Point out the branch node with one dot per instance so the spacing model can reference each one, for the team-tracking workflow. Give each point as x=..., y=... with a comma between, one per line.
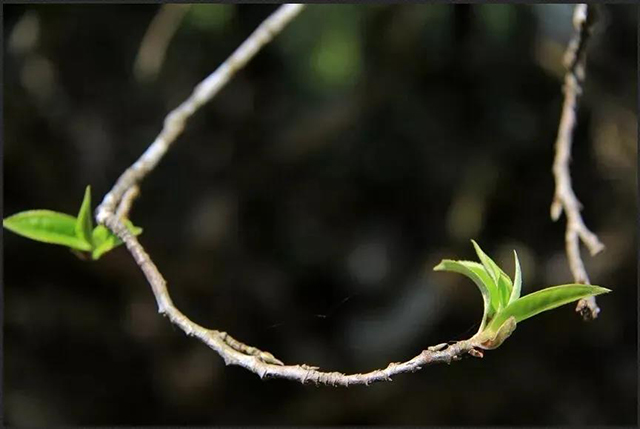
x=269, y=358
x=263, y=373
x=437, y=347
x=476, y=353
x=309, y=367
x=587, y=310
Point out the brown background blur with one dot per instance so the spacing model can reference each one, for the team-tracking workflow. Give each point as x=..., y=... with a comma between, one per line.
x=303, y=209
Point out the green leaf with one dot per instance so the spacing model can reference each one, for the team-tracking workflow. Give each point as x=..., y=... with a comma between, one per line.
x=487, y=262
x=84, y=223
x=543, y=300
x=517, y=280
x=48, y=227
x=135, y=230
x=505, y=287
x=477, y=273
x=104, y=240
x=500, y=279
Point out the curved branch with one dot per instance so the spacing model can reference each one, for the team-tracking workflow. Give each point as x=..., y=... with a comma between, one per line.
x=262, y=363
x=565, y=199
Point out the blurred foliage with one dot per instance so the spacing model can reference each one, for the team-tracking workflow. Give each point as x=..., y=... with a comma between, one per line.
x=303, y=209
x=328, y=52
x=499, y=20
x=210, y=18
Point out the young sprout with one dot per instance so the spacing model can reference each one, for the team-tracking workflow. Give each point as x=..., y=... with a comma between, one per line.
x=503, y=306
x=65, y=230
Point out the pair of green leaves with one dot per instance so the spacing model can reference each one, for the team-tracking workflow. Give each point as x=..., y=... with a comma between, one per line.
x=59, y=228
x=503, y=306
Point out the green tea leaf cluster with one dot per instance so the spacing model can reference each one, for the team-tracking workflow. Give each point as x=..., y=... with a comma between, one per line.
x=62, y=229
x=503, y=306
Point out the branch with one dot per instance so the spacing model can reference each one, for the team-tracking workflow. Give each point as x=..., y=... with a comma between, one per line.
x=262, y=363
x=565, y=199
x=124, y=207
x=232, y=351
x=176, y=120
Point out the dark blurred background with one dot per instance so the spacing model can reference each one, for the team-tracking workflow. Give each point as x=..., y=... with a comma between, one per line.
x=303, y=209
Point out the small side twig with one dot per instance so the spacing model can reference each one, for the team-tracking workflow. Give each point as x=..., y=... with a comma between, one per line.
x=565, y=198
x=124, y=207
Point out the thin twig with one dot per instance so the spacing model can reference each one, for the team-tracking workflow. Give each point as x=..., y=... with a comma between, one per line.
x=565, y=199
x=156, y=40
x=264, y=363
x=175, y=121
x=126, y=202
x=232, y=351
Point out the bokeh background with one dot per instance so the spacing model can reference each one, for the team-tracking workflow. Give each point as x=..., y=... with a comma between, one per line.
x=303, y=209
